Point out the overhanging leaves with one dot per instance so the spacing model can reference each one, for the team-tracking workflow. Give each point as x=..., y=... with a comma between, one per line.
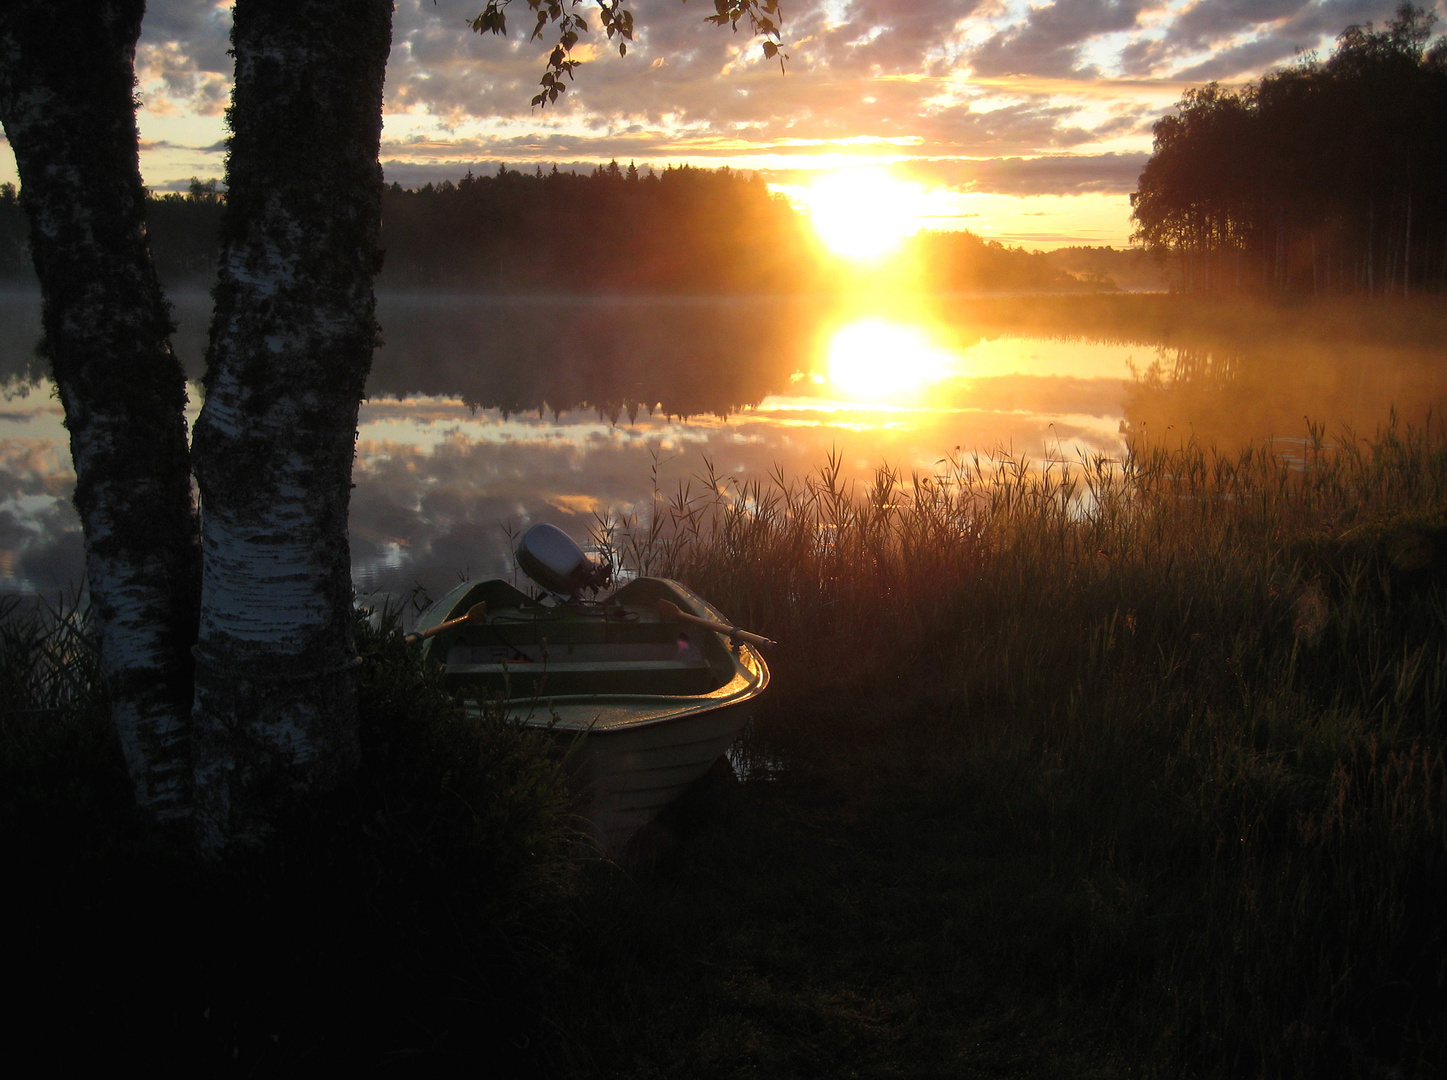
x=764, y=17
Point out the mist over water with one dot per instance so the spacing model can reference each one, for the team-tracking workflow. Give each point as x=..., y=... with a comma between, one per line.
x=486, y=415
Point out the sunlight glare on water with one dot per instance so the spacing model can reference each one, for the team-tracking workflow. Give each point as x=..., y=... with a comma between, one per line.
x=1043, y=357
x=485, y=415
x=876, y=359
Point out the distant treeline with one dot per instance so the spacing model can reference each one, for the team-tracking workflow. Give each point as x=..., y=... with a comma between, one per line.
x=184, y=230
x=1326, y=177
x=611, y=231
x=963, y=262
x=14, y=249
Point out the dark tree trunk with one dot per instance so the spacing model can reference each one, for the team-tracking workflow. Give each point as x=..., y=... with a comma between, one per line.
x=291, y=345
x=66, y=100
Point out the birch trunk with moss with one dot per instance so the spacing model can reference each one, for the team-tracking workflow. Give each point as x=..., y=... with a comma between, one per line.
x=66, y=101
x=291, y=346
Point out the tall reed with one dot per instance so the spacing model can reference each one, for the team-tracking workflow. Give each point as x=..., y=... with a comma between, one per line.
x=1208, y=684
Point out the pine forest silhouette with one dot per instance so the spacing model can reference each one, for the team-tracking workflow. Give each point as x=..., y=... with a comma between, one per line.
x=684, y=231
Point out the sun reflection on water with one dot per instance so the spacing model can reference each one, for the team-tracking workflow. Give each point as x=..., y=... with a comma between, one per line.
x=455, y=442
x=882, y=360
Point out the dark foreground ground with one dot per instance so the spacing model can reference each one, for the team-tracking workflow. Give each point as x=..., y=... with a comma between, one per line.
x=1144, y=784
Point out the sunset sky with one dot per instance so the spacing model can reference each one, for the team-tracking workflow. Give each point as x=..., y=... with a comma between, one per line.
x=1026, y=123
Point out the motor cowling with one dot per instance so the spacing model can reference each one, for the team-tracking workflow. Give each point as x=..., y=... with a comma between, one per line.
x=551, y=558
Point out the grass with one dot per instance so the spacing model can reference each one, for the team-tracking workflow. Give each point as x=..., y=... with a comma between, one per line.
x=1093, y=768
x=409, y=921
x=1103, y=767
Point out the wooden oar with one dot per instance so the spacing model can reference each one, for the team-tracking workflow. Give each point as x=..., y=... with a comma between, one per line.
x=475, y=614
x=671, y=613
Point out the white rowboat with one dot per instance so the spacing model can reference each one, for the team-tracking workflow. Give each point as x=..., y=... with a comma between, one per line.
x=655, y=700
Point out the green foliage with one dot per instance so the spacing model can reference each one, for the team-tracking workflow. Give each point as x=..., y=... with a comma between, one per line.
x=62, y=783
x=479, y=802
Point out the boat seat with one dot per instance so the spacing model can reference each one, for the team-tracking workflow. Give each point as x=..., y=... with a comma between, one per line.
x=493, y=652
x=503, y=672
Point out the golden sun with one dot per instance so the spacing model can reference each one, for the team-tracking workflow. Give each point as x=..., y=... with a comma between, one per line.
x=863, y=213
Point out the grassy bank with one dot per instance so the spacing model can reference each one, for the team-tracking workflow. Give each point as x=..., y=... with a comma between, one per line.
x=1102, y=769
x=1114, y=769
x=409, y=921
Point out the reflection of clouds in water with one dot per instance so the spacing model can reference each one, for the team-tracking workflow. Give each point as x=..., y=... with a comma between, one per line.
x=440, y=478
x=40, y=545
x=441, y=503
x=440, y=483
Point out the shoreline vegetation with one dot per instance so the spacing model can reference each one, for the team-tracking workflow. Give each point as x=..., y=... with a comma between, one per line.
x=685, y=231
x=1106, y=768
x=1327, y=177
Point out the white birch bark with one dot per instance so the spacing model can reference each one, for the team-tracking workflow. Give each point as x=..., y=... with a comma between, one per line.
x=291, y=344
x=66, y=86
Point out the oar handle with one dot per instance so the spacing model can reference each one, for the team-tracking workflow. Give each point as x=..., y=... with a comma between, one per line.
x=476, y=613
x=671, y=612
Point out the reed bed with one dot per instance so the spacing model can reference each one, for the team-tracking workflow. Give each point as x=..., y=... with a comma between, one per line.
x=1099, y=767
x=1195, y=696
x=407, y=919
x=48, y=659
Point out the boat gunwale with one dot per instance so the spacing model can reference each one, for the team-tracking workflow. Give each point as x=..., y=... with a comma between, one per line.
x=684, y=705
x=747, y=682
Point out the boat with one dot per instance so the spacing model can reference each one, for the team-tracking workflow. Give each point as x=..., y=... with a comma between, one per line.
x=650, y=684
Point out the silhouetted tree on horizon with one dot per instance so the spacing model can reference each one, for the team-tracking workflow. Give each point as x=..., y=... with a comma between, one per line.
x=1325, y=177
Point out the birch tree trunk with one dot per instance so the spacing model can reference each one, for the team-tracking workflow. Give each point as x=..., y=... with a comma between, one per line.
x=66, y=100
x=291, y=345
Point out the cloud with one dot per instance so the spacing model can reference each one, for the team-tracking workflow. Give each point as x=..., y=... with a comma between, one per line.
x=1245, y=37
x=886, y=79
x=181, y=58
x=1250, y=56
x=1049, y=41
x=881, y=37
x=1056, y=174
x=1206, y=22
x=868, y=68
x=1020, y=129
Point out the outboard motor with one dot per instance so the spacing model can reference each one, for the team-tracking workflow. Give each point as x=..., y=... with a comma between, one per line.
x=548, y=556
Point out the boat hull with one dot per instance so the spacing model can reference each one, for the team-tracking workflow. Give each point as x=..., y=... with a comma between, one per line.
x=630, y=753
x=628, y=774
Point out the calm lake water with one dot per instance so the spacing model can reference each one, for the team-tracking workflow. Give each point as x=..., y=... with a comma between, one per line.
x=486, y=415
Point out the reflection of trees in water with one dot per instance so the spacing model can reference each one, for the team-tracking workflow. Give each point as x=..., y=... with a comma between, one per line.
x=20, y=360
x=617, y=356
x=1228, y=375
x=1173, y=395
x=1234, y=395
x=1200, y=367
x=20, y=321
